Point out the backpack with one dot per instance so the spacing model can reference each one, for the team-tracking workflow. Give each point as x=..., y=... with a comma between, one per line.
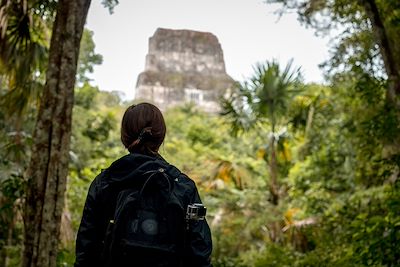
x=148, y=228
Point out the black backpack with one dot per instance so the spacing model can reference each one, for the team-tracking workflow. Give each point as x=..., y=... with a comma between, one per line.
x=148, y=228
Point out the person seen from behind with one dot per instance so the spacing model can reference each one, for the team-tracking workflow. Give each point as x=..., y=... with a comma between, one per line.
x=142, y=211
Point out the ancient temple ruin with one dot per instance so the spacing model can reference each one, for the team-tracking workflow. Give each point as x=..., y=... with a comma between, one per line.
x=183, y=66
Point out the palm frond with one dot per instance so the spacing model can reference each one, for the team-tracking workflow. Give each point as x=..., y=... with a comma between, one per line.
x=264, y=96
x=236, y=108
x=24, y=39
x=17, y=99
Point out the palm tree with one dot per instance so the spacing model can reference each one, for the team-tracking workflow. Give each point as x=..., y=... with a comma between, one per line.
x=24, y=38
x=263, y=100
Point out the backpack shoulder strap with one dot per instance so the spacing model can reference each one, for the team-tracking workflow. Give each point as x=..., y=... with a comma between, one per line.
x=160, y=172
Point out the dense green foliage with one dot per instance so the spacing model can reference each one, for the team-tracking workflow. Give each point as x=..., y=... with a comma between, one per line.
x=336, y=149
x=340, y=193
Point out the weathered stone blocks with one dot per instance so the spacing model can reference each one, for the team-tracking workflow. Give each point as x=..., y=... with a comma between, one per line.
x=183, y=66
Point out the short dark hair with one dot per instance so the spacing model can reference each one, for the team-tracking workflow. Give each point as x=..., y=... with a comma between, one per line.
x=143, y=129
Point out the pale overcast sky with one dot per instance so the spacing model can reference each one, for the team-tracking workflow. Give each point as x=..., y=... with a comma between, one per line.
x=248, y=30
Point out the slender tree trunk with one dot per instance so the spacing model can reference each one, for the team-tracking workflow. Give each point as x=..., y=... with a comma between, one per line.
x=67, y=234
x=273, y=171
x=8, y=217
x=310, y=118
x=48, y=168
x=392, y=65
x=10, y=235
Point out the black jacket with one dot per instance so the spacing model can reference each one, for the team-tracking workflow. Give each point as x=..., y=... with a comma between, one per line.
x=100, y=205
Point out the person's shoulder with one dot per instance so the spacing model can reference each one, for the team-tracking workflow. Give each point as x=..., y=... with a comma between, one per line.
x=185, y=179
x=100, y=180
x=183, y=182
x=177, y=174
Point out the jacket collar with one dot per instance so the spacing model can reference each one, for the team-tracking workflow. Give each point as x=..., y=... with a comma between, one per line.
x=133, y=165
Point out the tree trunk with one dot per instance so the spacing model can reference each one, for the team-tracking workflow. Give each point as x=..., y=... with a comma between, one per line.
x=47, y=172
x=10, y=235
x=273, y=172
x=310, y=118
x=392, y=66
